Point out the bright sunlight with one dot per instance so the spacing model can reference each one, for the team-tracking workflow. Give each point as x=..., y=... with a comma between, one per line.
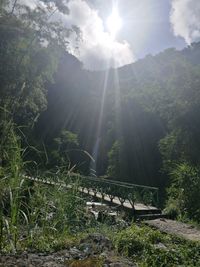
x=114, y=22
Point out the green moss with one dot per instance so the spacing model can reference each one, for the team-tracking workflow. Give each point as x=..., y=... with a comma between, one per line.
x=89, y=262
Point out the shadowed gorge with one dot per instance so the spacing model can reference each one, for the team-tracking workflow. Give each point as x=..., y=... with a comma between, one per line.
x=138, y=111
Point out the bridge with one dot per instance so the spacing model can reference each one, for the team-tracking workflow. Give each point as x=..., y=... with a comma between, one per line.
x=136, y=199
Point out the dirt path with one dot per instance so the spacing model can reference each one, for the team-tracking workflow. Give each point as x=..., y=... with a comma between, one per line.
x=184, y=230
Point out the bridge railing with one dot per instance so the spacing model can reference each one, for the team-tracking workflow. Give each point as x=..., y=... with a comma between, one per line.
x=105, y=188
x=132, y=193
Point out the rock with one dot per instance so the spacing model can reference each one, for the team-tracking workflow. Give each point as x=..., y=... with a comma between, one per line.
x=49, y=264
x=106, y=216
x=121, y=262
x=94, y=250
x=160, y=246
x=96, y=243
x=86, y=248
x=104, y=255
x=75, y=253
x=29, y=260
x=122, y=223
x=98, y=206
x=116, y=264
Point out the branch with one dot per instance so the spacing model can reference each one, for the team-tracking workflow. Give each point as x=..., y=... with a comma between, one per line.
x=13, y=8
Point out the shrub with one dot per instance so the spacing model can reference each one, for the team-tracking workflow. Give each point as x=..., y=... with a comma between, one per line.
x=150, y=247
x=134, y=240
x=184, y=191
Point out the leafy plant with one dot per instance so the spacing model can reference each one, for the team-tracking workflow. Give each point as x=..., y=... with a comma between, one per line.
x=150, y=247
x=184, y=191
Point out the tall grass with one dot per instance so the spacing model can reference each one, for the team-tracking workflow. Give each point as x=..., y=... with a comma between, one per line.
x=32, y=214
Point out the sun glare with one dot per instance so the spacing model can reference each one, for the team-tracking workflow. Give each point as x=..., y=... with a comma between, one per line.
x=114, y=22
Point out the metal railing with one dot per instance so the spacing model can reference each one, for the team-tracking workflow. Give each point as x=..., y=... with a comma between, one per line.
x=108, y=189
x=133, y=193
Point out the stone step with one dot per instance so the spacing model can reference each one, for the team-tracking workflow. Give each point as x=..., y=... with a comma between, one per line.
x=151, y=216
x=140, y=212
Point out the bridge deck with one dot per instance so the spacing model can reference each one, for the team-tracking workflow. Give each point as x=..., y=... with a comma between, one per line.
x=116, y=201
x=113, y=200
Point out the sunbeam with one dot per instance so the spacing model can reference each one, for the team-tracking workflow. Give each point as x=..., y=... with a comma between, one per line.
x=114, y=22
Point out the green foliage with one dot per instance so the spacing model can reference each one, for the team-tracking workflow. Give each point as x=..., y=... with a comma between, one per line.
x=114, y=169
x=53, y=214
x=23, y=94
x=67, y=140
x=30, y=46
x=149, y=247
x=169, y=150
x=64, y=146
x=44, y=215
x=172, y=208
x=184, y=191
x=135, y=239
x=12, y=188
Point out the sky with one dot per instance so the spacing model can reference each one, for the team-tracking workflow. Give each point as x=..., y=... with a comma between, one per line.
x=148, y=27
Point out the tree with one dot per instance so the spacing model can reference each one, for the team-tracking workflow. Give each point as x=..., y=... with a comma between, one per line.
x=30, y=48
x=63, y=147
x=114, y=168
x=29, y=51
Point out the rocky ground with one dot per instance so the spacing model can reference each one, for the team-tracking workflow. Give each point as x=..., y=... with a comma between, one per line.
x=93, y=251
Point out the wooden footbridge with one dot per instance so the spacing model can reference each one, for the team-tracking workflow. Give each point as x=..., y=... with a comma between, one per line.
x=136, y=199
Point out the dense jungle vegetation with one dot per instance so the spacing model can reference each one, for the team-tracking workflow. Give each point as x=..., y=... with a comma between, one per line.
x=140, y=123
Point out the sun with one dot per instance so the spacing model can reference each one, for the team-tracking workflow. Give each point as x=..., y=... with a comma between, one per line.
x=114, y=22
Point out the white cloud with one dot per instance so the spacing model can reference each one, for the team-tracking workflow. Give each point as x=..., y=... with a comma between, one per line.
x=96, y=49
x=185, y=19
